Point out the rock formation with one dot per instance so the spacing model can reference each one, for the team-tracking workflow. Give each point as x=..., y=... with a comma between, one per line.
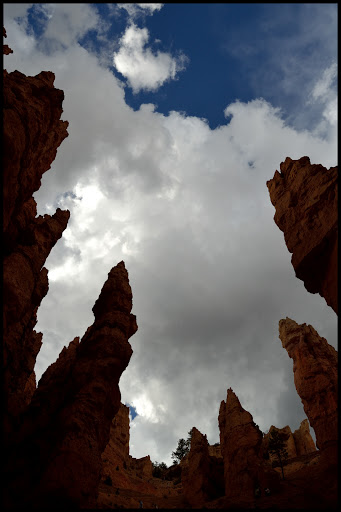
x=304, y=443
x=202, y=477
x=32, y=133
x=298, y=443
x=241, y=443
x=315, y=375
x=55, y=434
x=305, y=198
x=117, y=463
x=67, y=423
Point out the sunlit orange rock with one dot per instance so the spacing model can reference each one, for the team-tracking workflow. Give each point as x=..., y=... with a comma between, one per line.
x=305, y=198
x=315, y=374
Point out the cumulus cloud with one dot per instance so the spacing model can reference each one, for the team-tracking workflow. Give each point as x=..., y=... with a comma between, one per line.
x=135, y=10
x=143, y=68
x=187, y=209
x=325, y=94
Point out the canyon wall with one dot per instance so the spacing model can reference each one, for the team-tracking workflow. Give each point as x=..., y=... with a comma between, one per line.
x=55, y=434
x=305, y=198
x=32, y=132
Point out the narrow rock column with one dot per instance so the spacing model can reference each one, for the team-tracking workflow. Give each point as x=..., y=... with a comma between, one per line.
x=315, y=375
x=56, y=457
x=241, y=441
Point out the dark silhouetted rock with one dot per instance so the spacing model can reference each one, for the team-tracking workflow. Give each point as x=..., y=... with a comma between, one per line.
x=305, y=198
x=241, y=448
x=57, y=458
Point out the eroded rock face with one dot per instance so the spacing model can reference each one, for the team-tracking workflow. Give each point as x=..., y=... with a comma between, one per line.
x=298, y=443
x=55, y=434
x=315, y=375
x=67, y=423
x=305, y=198
x=32, y=133
x=241, y=443
x=304, y=443
x=202, y=476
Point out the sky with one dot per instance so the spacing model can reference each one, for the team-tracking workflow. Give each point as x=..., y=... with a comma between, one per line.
x=178, y=115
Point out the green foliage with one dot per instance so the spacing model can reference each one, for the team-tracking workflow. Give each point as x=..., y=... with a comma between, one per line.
x=159, y=469
x=184, y=445
x=277, y=446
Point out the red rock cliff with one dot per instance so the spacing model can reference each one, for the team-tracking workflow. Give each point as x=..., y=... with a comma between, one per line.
x=32, y=133
x=315, y=375
x=55, y=434
x=305, y=198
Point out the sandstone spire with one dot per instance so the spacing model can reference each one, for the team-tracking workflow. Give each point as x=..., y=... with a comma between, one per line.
x=315, y=375
x=67, y=423
x=241, y=440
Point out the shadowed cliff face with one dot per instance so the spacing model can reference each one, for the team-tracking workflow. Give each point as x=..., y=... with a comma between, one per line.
x=67, y=423
x=241, y=448
x=203, y=475
x=305, y=198
x=315, y=375
x=55, y=434
x=32, y=133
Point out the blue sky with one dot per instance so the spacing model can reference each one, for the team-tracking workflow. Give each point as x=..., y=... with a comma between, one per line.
x=178, y=115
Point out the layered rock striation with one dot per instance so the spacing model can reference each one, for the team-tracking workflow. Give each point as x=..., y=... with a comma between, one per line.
x=315, y=376
x=305, y=198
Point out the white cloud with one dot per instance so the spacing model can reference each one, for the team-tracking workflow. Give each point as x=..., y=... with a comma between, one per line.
x=143, y=68
x=135, y=10
x=325, y=94
x=192, y=219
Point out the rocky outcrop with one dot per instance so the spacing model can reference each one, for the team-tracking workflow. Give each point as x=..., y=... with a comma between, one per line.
x=116, y=453
x=298, y=443
x=241, y=447
x=305, y=198
x=202, y=477
x=32, y=132
x=304, y=443
x=315, y=375
x=67, y=423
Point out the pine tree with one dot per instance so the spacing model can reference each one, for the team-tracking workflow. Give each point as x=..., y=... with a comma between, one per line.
x=184, y=446
x=277, y=446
